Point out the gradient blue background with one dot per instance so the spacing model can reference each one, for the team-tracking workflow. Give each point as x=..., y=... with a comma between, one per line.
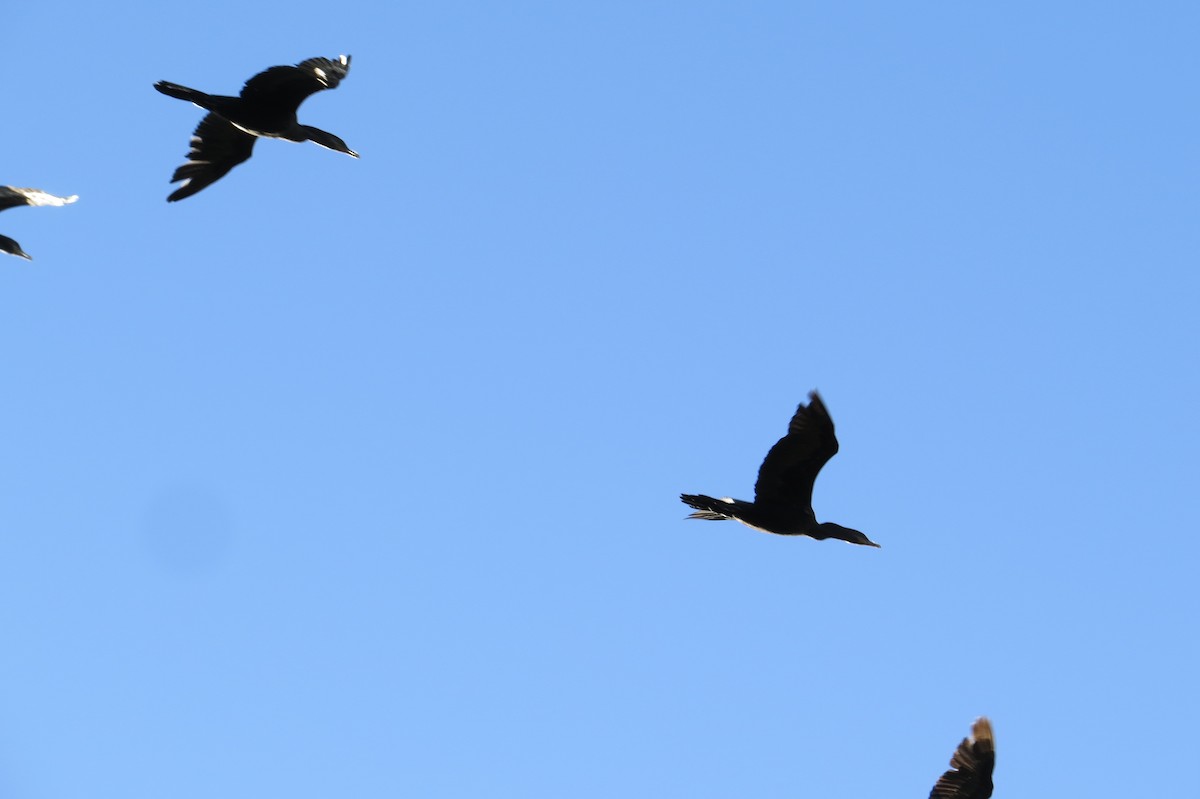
x=360, y=478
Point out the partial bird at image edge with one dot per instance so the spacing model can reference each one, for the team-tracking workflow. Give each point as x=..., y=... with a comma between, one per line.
x=13, y=196
x=971, y=766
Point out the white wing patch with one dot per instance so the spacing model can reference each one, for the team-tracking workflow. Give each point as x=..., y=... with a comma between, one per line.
x=39, y=197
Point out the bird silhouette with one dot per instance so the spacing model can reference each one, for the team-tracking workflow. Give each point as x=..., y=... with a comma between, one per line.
x=11, y=197
x=783, y=494
x=970, y=774
x=266, y=108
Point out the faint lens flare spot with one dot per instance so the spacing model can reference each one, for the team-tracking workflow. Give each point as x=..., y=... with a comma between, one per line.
x=188, y=529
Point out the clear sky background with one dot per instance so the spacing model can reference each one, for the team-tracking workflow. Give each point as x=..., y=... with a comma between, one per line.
x=360, y=478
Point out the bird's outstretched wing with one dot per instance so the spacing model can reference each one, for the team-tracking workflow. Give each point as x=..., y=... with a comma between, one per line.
x=788, y=472
x=12, y=196
x=970, y=774
x=217, y=147
x=287, y=87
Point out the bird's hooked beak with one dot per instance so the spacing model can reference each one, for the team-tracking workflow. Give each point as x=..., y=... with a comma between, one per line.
x=861, y=538
x=847, y=534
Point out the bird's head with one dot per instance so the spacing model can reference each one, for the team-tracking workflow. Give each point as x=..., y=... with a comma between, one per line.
x=831, y=530
x=327, y=139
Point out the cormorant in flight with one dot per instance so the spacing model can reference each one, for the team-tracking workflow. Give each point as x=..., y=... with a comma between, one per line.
x=11, y=197
x=783, y=494
x=266, y=107
x=970, y=774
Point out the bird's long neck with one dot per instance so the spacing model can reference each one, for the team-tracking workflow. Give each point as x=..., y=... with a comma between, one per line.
x=831, y=530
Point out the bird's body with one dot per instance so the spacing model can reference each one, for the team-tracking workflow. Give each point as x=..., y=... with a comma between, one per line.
x=11, y=197
x=970, y=774
x=266, y=108
x=783, y=494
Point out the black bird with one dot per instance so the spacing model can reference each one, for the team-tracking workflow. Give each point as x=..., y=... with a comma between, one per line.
x=266, y=107
x=783, y=494
x=11, y=197
x=970, y=774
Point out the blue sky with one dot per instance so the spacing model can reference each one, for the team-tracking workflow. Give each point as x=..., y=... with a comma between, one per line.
x=361, y=477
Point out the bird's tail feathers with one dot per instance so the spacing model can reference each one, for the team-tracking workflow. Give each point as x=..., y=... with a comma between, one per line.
x=706, y=507
x=180, y=92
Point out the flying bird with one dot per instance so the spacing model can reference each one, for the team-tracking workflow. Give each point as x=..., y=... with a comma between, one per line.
x=266, y=108
x=970, y=774
x=11, y=197
x=783, y=494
